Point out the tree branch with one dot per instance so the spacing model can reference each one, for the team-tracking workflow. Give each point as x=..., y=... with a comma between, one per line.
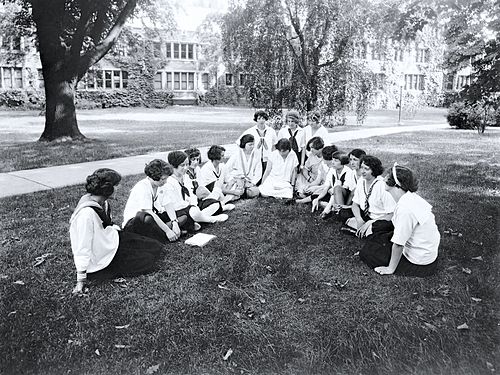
x=93, y=56
x=80, y=32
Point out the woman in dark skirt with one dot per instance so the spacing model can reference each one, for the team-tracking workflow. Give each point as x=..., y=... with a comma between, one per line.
x=409, y=243
x=100, y=249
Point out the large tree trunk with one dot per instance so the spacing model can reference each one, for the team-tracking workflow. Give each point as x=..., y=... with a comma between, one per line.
x=60, y=115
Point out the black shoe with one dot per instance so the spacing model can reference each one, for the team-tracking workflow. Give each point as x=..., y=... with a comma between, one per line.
x=347, y=229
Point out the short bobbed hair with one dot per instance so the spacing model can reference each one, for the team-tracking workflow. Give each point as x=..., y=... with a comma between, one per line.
x=260, y=113
x=192, y=154
x=341, y=156
x=292, y=115
x=215, y=152
x=157, y=168
x=315, y=142
x=374, y=164
x=247, y=138
x=357, y=152
x=176, y=158
x=102, y=182
x=283, y=145
x=407, y=180
x=328, y=152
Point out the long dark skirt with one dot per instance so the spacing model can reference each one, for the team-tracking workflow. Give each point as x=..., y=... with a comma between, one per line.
x=377, y=251
x=144, y=225
x=136, y=255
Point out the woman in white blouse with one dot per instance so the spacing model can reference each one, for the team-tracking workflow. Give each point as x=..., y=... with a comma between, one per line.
x=100, y=249
x=410, y=243
x=244, y=168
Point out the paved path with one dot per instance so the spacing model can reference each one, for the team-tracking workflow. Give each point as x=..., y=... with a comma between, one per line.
x=32, y=180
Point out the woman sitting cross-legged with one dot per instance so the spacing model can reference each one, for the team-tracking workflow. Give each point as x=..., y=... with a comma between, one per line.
x=244, y=168
x=176, y=197
x=343, y=183
x=409, y=243
x=100, y=249
x=312, y=176
x=212, y=176
x=370, y=202
x=143, y=214
x=279, y=178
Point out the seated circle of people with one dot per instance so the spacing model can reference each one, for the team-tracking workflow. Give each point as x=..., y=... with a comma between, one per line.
x=281, y=171
x=101, y=250
x=143, y=214
x=408, y=244
x=244, y=168
x=212, y=176
x=175, y=197
x=397, y=226
x=264, y=138
x=312, y=176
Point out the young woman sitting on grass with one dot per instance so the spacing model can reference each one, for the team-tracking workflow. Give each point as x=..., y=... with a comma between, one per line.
x=408, y=244
x=342, y=181
x=244, y=168
x=177, y=198
x=322, y=196
x=355, y=162
x=279, y=178
x=370, y=202
x=143, y=214
x=311, y=177
x=212, y=176
x=100, y=249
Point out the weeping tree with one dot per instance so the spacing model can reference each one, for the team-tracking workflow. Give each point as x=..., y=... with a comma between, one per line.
x=72, y=35
x=287, y=47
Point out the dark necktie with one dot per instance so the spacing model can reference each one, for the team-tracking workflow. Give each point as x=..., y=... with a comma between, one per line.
x=293, y=140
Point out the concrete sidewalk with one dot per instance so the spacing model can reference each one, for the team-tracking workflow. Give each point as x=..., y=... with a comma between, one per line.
x=32, y=180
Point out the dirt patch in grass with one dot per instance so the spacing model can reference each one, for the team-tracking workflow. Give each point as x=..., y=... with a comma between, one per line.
x=268, y=287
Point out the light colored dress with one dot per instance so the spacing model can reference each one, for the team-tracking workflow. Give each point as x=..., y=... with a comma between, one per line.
x=313, y=169
x=239, y=167
x=277, y=183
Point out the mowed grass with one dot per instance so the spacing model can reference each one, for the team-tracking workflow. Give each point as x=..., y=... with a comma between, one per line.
x=269, y=287
x=114, y=133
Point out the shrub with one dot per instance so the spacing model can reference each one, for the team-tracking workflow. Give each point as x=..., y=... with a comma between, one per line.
x=463, y=116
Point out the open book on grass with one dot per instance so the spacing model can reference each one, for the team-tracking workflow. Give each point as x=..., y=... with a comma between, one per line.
x=200, y=239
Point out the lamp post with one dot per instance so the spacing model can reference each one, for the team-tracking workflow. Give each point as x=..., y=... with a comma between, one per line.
x=400, y=104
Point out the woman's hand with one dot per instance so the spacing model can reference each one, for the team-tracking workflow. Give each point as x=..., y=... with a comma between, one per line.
x=172, y=236
x=176, y=229
x=363, y=229
x=326, y=211
x=384, y=270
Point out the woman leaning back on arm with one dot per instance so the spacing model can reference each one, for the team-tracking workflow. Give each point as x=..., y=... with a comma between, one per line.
x=100, y=249
x=411, y=245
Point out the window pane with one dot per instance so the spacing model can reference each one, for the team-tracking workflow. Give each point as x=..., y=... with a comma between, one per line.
x=157, y=81
x=5, y=42
x=157, y=49
x=183, y=51
x=7, y=78
x=107, y=75
x=116, y=79
x=99, y=79
x=229, y=79
x=204, y=80
x=177, y=81
x=169, y=50
x=169, y=81
x=190, y=81
x=124, y=79
x=183, y=81
x=190, y=51
x=176, y=50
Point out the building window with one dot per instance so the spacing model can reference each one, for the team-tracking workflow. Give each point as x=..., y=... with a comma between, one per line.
x=398, y=54
x=360, y=50
x=183, y=51
x=204, y=81
x=104, y=79
x=243, y=79
x=169, y=81
x=423, y=55
x=11, y=78
x=190, y=51
x=157, y=81
x=229, y=79
x=16, y=43
x=169, y=50
x=41, y=83
x=414, y=82
x=176, y=50
x=462, y=80
x=379, y=81
x=181, y=81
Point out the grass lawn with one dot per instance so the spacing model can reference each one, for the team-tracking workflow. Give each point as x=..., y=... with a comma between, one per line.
x=268, y=287
x=116, y=133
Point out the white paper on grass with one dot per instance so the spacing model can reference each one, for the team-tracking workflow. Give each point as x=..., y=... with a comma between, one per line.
x=199, y=239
